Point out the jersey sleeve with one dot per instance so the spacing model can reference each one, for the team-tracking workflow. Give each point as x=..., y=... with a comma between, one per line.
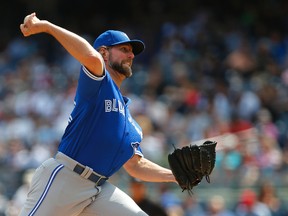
x=89, y=84
x=138, y=151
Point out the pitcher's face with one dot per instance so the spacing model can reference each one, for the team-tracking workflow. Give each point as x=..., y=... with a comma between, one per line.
x=121, y=59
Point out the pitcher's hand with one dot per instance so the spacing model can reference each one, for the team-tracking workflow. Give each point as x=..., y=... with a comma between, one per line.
x=31, y=25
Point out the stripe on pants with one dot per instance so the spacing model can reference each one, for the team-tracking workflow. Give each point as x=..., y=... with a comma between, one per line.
x=42, y=197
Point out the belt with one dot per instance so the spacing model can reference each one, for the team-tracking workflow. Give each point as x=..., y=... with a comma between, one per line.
x=84, y=171
x=94, y=177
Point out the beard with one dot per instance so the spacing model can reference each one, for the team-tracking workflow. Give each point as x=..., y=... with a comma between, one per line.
x=121, y=68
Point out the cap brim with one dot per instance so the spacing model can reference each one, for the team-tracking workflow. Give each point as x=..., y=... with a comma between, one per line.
x=137, y=45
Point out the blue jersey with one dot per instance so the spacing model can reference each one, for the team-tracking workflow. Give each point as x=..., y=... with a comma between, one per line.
x=101, y=133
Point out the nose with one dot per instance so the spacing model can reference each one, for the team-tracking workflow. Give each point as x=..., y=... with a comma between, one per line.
x=131, y=55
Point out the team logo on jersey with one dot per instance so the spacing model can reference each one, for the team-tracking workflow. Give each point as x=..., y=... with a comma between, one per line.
x=135, y=146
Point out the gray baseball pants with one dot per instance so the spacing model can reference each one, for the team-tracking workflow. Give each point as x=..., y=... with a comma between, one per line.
x=57, y=190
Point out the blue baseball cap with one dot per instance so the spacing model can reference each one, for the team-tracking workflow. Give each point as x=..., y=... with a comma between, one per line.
x=113, y=37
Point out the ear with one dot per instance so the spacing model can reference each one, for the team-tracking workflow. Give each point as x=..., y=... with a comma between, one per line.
x=104, y=52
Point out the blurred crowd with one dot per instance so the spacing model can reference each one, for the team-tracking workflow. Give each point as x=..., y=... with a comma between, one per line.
x=206, y=80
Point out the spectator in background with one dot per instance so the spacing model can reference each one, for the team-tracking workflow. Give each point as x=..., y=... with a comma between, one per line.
x=18, y=199
x=170, y=201
x=193, y=207
x=248, y=205
x=217, y=207
x=268, y=195
x=265, y=125
x=3, y=202
x=153, y=141
x=138, y=193
x=269, y=156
